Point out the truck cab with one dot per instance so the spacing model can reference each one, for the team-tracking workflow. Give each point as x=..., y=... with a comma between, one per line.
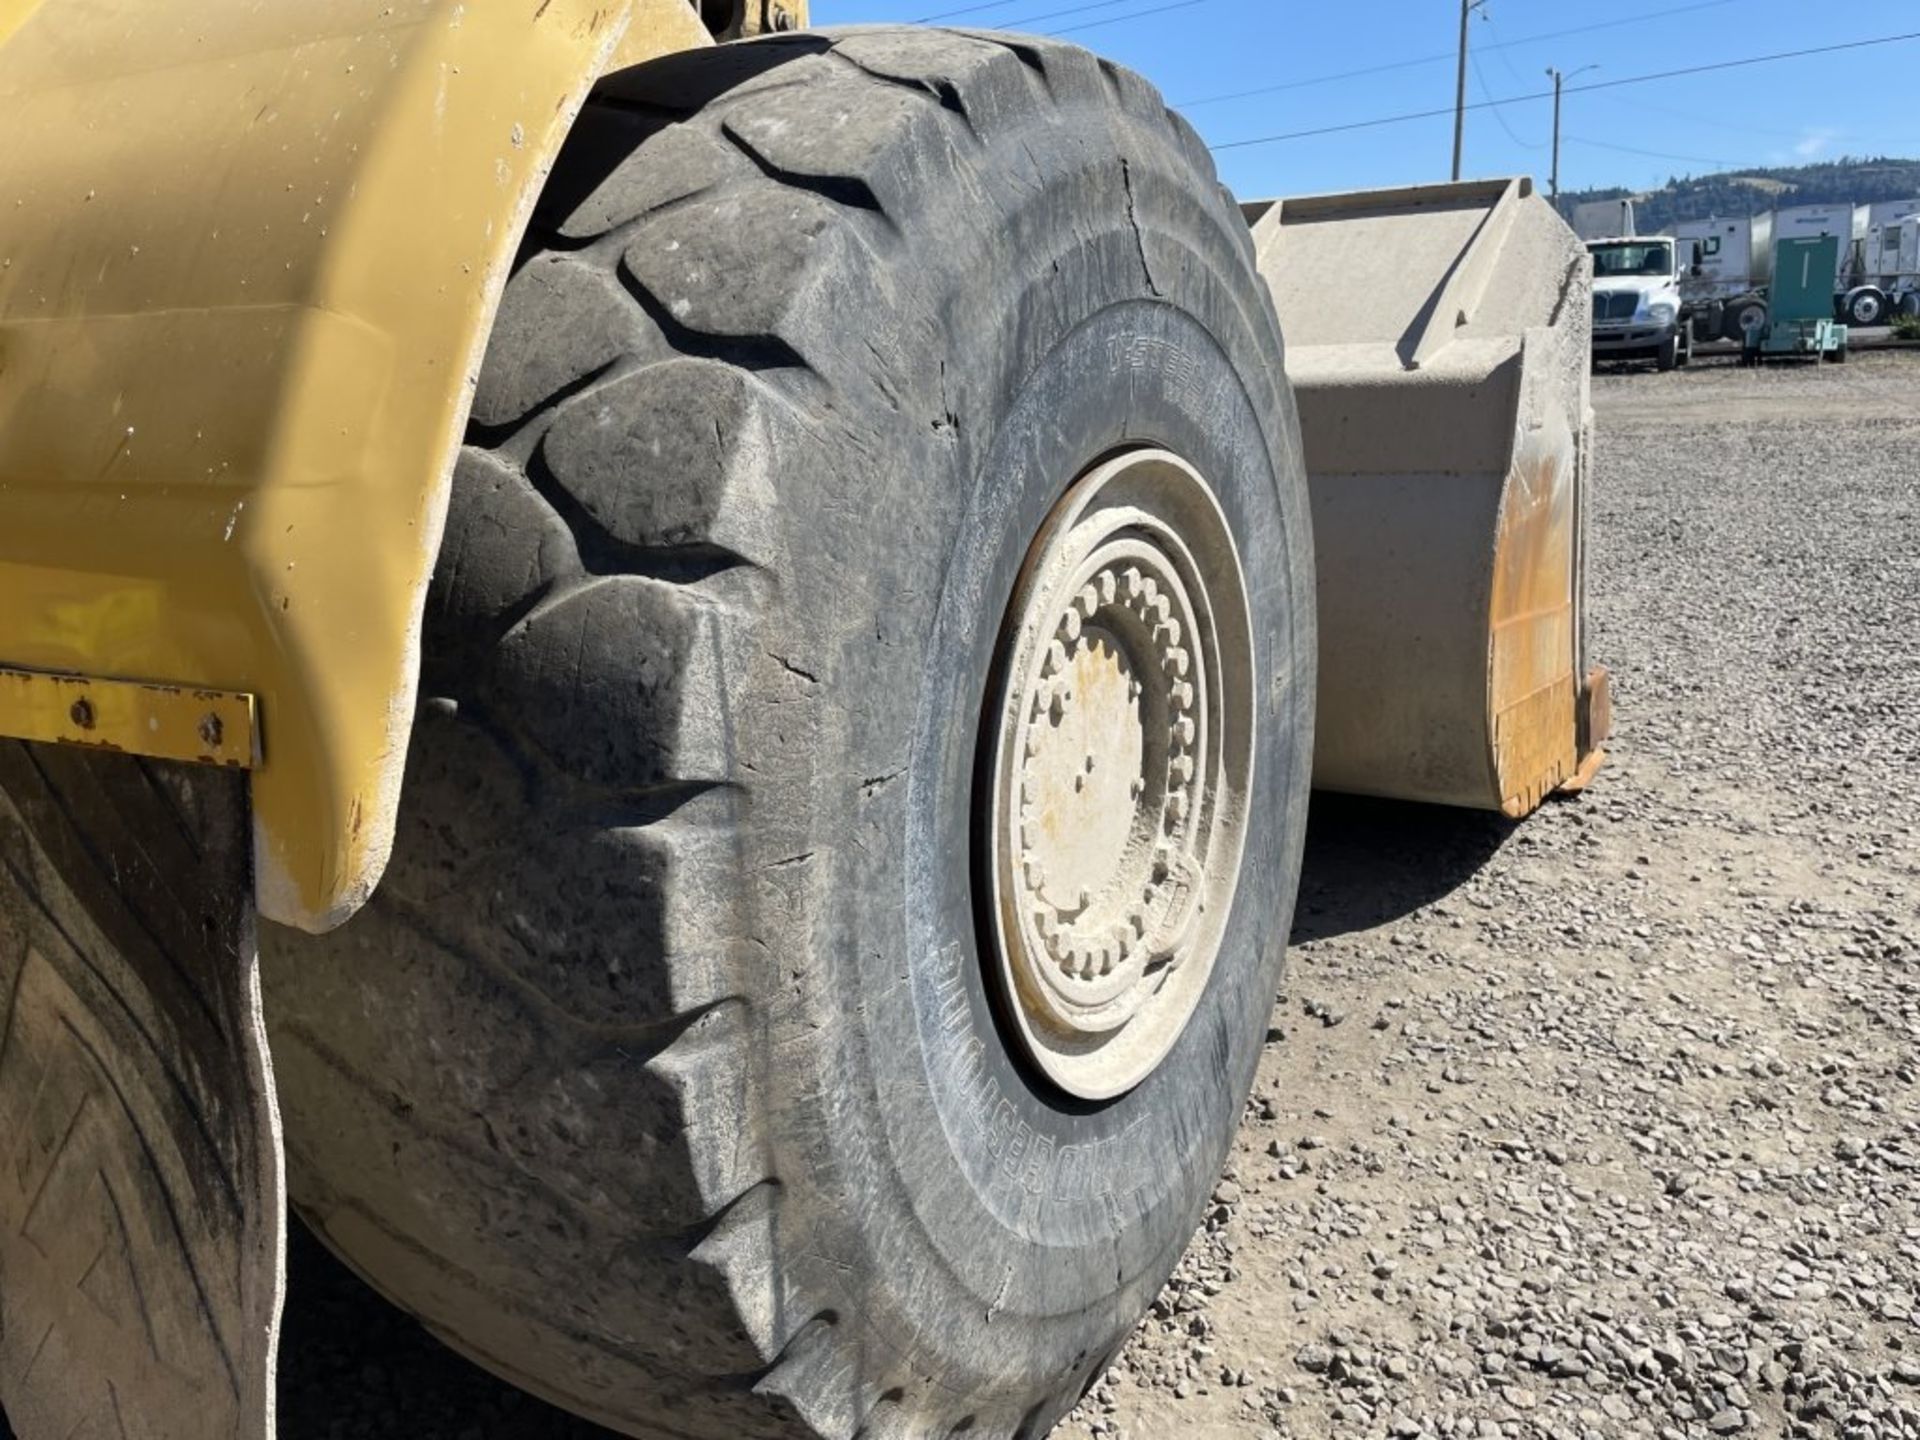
x=1638, y=313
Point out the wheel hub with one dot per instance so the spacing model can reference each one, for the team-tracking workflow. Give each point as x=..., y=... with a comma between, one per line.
x=1122, y=760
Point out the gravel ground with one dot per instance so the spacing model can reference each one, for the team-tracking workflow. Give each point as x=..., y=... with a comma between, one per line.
x=1605, y=1125
x=1608, y=1124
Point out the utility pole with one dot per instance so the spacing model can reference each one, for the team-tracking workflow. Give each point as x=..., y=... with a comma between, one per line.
x=1467, y=7
x=1559, y=79
x=1553, y=184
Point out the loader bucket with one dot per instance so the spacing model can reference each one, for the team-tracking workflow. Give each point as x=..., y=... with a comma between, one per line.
x=1437, y=341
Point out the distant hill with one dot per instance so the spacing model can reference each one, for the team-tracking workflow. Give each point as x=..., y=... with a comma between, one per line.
x=1748, y=192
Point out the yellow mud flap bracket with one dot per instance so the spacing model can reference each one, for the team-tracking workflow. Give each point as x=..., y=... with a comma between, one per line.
x=164, y=722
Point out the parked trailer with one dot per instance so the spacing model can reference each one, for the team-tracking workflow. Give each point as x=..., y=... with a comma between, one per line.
x=1796, y=222
x=1801, y=323
x=1598, y=219
x=1718, y=283
x=1876, y=235
x=1725, y=254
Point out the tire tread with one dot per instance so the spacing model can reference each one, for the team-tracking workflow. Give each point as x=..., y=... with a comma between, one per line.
x=521, y=674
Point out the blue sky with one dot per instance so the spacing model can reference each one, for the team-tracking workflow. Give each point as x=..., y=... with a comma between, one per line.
x=1855, y=102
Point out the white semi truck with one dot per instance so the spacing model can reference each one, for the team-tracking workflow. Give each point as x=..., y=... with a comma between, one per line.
x=1720, y=285
x=1881, y=273
x=1639, y=312
x=1907, y=288
x=1726, y=287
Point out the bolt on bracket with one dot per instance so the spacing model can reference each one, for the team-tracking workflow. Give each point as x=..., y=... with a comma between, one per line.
x=159, y=721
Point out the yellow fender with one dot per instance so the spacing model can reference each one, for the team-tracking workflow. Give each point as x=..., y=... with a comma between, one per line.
x=249, y=258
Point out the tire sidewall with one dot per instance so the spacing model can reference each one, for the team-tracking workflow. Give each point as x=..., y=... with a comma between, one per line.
x=987, y=1198
x=1038, y=1169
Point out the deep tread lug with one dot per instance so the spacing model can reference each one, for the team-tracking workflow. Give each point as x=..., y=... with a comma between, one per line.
x=663, y=167
x=503, y=550
x=738, y=268
x=680, y=453
x=603, y=327
x=620, y=681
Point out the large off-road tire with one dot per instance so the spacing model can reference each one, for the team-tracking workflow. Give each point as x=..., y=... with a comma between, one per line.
x=669, y=1072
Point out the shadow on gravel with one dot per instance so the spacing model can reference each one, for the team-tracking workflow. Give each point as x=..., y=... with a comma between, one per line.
x=1371, y=861
x=353, y=1367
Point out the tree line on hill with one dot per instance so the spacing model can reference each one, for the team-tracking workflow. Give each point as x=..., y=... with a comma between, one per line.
x=1749, y=192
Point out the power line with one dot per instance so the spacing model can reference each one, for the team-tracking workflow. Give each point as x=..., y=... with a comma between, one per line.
x=963, y=10
x=1662, y=154
x=1570, y=90
x=1498, y=113
x=1448, y=55
x=1024, y=21
x=1121, y=19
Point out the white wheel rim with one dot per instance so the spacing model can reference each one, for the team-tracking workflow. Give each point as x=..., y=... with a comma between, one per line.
x=1123, y=759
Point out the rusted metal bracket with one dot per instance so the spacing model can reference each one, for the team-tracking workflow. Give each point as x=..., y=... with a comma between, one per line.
x=740, y=19
x=1593, y=727
x=161, y=722
x=778, y=15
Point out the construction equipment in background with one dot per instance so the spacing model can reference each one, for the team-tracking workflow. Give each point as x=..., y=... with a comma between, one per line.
x=1800, y=304
x=676, y=685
